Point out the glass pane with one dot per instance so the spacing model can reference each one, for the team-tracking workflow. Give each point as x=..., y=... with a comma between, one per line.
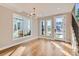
x=48, y=32
x=42, y=27
x=21, y=27
x=59, y=28
x=27, y=27
x=17, y=25
x=77, y=11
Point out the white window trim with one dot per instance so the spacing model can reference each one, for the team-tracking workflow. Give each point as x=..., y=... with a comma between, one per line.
x=19, y=16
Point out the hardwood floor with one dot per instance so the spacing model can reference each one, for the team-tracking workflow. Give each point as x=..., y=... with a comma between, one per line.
x=41, y=47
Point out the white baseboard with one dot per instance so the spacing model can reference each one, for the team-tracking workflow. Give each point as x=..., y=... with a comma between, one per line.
x=5, y=47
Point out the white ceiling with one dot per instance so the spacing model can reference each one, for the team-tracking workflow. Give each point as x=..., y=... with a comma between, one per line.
x=42, y=9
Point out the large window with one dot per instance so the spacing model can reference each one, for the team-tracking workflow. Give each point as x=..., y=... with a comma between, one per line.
x=49, y=27
x=59, y=27
x=21, y=26
x=43, y=27
x=46, y=27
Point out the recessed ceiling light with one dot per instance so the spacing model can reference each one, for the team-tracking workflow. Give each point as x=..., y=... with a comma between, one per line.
x=58, y=8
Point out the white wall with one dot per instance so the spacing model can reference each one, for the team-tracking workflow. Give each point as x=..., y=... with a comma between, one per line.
x=6, y=29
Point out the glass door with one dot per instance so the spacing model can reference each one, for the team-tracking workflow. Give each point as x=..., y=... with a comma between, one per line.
x=42, y=27
x=59, y=28
x=49, y=27
x=46, y=27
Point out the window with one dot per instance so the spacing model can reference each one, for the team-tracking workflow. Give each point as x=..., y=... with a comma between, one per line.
x=21, y=26
x=27, y=27
x=48, y=27
x=43, y=27
x=59, y=27
x=77, y=11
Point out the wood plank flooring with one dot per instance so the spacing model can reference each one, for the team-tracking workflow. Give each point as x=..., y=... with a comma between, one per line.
x=41, y=47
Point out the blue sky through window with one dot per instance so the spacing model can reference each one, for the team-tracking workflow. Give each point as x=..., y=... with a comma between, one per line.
x=76, y=7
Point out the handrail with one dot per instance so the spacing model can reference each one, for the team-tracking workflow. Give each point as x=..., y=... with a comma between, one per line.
x=75, y=28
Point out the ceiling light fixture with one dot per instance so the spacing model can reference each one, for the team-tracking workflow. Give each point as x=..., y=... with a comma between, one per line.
x=34, y=12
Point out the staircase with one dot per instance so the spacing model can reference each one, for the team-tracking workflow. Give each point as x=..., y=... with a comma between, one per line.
x=75, y=29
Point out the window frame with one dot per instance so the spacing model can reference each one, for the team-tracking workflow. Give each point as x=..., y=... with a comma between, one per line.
x=15, y=15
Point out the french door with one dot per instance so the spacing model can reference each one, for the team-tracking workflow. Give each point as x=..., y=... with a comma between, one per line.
x=59, y=28
x=46, y=27
x=58, y=25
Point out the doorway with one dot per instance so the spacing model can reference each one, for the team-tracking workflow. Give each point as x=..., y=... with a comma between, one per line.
x=59, y=28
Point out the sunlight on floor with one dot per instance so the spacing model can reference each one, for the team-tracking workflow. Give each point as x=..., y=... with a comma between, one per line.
x=60, y=48
x=67, y=45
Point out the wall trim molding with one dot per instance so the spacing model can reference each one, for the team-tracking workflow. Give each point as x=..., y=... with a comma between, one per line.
x=5, y=47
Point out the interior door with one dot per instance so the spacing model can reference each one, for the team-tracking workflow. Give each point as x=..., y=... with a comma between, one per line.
x=59, y=28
